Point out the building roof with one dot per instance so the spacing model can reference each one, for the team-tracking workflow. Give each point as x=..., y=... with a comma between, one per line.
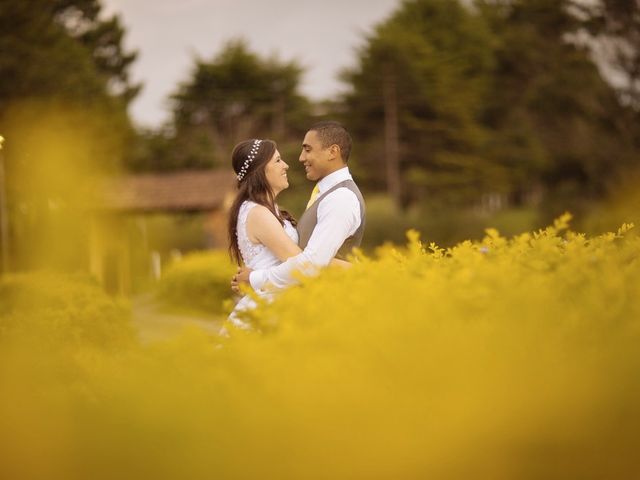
x=192, y=190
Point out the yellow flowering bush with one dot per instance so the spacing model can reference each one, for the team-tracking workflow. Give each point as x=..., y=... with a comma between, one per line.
x=198, y=281
x=61, y=310
x=499, y=359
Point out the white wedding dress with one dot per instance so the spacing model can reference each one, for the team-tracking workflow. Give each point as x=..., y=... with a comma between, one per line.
x=255, y=256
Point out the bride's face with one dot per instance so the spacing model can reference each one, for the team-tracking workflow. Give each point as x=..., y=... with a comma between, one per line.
x=276, y=173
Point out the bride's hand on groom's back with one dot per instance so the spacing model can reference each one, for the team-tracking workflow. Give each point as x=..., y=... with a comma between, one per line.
x=241, y=276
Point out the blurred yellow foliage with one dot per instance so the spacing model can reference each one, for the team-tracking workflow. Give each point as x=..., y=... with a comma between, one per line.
x=54, y=162
x=498, y=359
x=198, y=281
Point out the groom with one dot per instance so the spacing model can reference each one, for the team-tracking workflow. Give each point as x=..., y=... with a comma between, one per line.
x=334, y=221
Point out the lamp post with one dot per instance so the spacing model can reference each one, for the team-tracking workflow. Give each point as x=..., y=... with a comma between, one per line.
x=4, y=222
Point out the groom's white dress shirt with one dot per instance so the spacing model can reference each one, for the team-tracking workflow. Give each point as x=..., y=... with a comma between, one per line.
x=338, y=219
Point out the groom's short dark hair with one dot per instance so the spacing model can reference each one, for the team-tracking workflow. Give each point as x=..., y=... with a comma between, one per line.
x=332, y=133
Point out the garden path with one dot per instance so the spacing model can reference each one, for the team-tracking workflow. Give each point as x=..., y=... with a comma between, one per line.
x=155, y=324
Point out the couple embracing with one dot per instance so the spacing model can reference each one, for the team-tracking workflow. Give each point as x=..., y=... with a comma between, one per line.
x=267, y=240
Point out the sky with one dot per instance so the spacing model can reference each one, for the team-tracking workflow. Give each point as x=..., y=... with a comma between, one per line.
x=322, y=35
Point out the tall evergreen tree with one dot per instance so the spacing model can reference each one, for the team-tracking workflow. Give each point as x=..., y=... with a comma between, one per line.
x=421, y=78
x=556, y=122
x=234, y=96
x=496, y=96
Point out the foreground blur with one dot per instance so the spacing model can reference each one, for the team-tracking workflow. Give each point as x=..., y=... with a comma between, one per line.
x=499, y=359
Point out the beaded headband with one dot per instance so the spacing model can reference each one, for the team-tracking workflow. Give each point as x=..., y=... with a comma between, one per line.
x=250, y=158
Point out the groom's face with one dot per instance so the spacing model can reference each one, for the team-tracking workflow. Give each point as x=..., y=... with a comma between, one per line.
x=314, y=157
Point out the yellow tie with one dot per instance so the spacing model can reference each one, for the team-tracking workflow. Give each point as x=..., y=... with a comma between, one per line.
x=314, y=195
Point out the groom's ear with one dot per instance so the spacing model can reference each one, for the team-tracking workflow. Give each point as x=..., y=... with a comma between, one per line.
x=334, y=150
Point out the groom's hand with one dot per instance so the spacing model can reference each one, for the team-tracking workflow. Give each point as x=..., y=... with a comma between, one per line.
x=242, y=276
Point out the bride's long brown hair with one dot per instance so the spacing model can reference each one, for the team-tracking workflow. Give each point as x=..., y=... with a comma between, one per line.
x=253, y=186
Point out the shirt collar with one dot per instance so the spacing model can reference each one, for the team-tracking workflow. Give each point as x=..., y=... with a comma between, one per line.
x=333, y=179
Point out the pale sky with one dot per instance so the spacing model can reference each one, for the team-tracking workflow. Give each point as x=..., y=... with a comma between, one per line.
x=321, y=35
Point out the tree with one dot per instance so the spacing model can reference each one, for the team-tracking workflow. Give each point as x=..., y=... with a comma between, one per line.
x=497, y=96
x=104, y=40
x=64, y=88
x=62, y=49
x=421, y=78
x=614, y=28
x=555, y=121
x=234, y=96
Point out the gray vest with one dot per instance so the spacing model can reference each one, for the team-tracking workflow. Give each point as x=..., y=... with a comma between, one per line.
x=309, y=219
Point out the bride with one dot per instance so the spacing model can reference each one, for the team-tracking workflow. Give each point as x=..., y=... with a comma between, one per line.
x=261, y=235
